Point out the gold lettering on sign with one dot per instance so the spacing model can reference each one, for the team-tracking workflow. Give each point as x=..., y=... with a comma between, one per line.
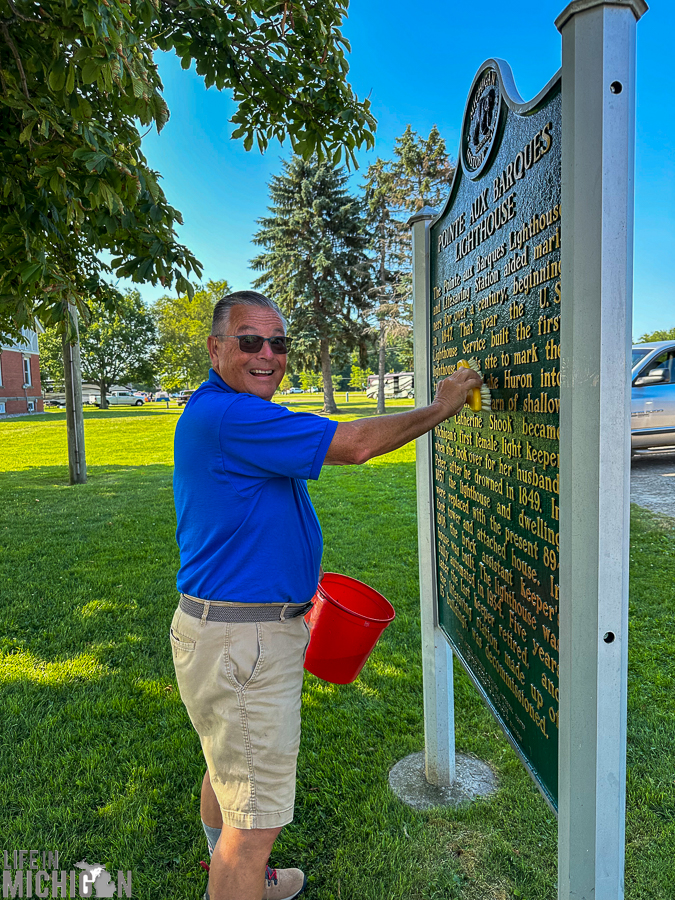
x=488, y=280
x=550, y=378
x=553, y=243
x=533, y=227
x=452, y=232
x=536, y=276
x=496, y=481
x=547, y=324
x=524, y=160
x=552, y=349
x=492, y=222
x=492, y=299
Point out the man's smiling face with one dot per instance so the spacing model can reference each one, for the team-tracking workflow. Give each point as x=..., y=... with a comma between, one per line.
x=249, y=373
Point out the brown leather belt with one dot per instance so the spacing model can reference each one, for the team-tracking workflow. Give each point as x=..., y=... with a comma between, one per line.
x=223, y=611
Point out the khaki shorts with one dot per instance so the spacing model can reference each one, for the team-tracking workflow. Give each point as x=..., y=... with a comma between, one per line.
x=241, y=684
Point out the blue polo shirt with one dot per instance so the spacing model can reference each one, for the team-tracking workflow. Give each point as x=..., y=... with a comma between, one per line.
x=247, y=530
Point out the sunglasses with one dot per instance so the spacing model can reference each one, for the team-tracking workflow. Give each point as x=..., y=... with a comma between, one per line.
x=252, y=343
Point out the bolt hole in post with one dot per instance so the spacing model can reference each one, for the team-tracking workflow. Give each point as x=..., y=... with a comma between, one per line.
x=616, y=87
x=609, y=637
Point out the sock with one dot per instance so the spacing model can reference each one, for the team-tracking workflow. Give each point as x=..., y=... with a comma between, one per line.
x=212, y=835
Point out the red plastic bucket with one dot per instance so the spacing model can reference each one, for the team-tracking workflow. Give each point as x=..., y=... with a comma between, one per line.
x=345, y=622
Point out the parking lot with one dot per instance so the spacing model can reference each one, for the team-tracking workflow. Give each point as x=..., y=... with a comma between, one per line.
x=652, y=480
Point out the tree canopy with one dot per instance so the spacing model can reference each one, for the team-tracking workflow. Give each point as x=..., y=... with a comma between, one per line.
x=116, y=345
x=78, y=201
x=183, y=325
x=662, y=335
x=315, y=264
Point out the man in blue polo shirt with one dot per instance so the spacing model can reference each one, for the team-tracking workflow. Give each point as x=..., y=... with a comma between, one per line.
x=250, y=548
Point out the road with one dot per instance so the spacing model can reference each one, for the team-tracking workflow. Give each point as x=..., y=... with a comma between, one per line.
x=652, y=481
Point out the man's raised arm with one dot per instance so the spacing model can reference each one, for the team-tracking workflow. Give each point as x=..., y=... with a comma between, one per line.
x=357, y=442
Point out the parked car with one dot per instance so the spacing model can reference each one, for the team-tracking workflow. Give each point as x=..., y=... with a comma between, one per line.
x=294, y=390
x=121, y=398
x=652, y=415
x=184, y=396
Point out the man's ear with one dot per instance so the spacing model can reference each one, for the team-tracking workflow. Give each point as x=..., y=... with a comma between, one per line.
x=211, y=342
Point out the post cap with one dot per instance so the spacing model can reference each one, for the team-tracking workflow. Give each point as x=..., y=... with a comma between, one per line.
x=638, y=8
x=422, y=215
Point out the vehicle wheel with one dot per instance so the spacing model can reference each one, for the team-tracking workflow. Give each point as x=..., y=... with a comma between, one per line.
x=138, y=403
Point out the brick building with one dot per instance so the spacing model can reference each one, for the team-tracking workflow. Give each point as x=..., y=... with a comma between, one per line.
x=20, y=389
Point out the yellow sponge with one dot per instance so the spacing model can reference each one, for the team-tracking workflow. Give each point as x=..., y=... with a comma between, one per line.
x=479, y=399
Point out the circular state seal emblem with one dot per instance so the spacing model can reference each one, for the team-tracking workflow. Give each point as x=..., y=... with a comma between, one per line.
x=481, y=120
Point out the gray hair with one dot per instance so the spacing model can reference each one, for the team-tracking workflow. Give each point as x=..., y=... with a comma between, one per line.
x=221, y=312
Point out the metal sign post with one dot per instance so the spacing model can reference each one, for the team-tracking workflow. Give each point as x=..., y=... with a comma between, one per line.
x=439, y=721
x=598, y=93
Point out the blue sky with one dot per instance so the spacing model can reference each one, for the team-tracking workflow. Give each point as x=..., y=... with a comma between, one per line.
x=416, y=62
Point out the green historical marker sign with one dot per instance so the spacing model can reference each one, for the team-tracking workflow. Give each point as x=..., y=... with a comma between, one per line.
x=495, y=290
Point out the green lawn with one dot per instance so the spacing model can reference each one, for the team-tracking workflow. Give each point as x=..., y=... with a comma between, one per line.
x=98, y=758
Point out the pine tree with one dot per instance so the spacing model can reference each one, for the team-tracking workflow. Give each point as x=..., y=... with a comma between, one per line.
x=420, y=174
x=422, y=169
x=390, y=248
x=315, y=265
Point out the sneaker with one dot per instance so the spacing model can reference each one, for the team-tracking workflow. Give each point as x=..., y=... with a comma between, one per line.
x=280, y=884
x=283, y=884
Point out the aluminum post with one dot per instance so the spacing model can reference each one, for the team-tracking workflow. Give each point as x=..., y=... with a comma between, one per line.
x=439, y=712
x=598, y=118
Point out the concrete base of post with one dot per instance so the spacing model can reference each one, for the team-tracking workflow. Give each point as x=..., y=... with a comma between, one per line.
x=474, y=778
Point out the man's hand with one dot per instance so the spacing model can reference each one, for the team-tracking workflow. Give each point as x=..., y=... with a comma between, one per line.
x=454, y=391
x=356, y=442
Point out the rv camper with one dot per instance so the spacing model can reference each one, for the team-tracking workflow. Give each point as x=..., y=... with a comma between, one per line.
x=397, y=386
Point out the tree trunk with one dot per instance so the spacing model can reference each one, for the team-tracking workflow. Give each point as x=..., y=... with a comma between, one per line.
x=103, y=391
x=328, y=398
x=382, y=363
x=77, y=463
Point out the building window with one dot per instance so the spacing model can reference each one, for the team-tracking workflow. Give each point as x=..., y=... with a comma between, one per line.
x=31, y=406
x=2, y=408
x=27, y=381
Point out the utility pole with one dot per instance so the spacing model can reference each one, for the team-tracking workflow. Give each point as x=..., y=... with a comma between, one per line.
x=77, y=463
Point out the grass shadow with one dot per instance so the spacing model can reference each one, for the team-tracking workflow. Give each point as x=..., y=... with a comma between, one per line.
x=115, y=413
